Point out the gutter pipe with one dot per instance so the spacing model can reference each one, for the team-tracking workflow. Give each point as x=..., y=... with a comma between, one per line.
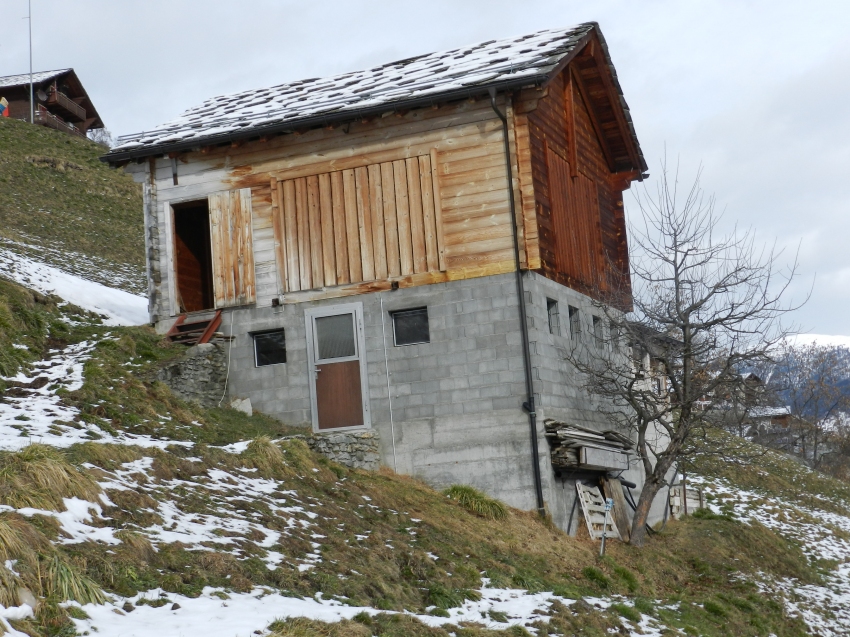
x=528, y=406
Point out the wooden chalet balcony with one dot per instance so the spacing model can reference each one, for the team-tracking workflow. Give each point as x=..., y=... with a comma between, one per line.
x=45, y=118
x=66, y=107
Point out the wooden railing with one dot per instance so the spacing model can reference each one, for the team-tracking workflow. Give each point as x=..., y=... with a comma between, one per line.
x=44, y=117
x=66, y=103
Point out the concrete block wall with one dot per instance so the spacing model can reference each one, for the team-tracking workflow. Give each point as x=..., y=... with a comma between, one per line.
x=456, y=401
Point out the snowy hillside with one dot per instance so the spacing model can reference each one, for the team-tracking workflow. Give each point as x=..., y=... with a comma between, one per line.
x=125, y=511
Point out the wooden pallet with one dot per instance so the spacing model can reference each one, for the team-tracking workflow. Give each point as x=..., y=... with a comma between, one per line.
x=593, y=506
x=194, y=332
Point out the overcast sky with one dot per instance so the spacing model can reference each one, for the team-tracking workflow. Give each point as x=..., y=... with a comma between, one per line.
x=757, y=91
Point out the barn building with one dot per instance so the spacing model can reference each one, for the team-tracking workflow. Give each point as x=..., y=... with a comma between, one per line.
x=408, y=250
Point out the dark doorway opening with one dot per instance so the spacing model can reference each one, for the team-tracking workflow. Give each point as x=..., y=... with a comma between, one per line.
x=193, y=262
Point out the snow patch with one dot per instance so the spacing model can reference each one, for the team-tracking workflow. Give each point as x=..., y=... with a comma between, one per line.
x=120, y=308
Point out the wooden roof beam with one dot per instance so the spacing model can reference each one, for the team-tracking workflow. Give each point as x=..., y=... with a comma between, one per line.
x=614, y=95
x=594, y=120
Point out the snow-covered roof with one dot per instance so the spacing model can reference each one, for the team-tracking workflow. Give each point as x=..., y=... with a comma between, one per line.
x=37, y=78
x=769, y=412
x=470, y=70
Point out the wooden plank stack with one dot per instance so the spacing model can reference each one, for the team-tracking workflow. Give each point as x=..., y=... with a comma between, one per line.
x=566, y=442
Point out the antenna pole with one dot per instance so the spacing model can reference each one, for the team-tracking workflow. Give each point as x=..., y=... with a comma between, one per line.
x=32, y=100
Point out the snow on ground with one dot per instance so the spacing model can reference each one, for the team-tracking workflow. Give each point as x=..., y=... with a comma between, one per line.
x=120, y=308
x=32, y=411
x=822, y=535
x=217, y=613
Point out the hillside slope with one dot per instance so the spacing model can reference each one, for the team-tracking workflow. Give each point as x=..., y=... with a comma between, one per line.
x=60, y=205
x=154, y=516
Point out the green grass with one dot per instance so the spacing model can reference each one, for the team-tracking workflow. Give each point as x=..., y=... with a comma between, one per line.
x=476, y=502
x=56, y=196
x=694, y=563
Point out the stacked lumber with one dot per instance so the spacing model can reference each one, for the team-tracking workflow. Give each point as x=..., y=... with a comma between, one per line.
x=572, y=446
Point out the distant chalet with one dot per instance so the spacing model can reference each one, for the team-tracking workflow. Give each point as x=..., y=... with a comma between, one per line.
x=60, y=100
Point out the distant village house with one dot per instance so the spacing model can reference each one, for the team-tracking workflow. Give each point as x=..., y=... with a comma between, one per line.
x=59, y=99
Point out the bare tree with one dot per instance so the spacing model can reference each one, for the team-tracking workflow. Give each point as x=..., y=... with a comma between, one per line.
x=811, y=380
x=102, y=136
x=704, y=308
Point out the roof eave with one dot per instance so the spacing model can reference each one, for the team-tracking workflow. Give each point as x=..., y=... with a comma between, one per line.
x=118, y=157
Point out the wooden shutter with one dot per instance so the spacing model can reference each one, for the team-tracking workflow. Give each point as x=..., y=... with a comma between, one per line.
x=362, y=224
x=576, y=222
x=232, y=248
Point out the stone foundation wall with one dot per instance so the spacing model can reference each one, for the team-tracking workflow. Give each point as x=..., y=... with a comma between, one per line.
x=199, y=375
x=358, y=450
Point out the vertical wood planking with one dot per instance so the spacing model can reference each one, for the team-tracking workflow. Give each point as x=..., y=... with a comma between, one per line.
x=237, y=242
x=417, y=226
x=231, y=240
x=248, y=293
x=390, y=218
x=438, y=217
x=361, y=224
x=315, y=230
x=327, y=236
x=279, y=234
x=290, y=228
x=379, y=240
x=340, y=229
x=352, y=227
x=402, y=207
x=426, y=182
x=304, y=267
x=364, y=223
x=216, y=243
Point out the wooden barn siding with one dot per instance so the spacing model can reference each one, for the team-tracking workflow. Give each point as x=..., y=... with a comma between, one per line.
x=474, y=209
x=550, y=125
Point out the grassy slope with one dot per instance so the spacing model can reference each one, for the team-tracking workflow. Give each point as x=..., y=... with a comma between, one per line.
x=687, y=568
x=57, y=196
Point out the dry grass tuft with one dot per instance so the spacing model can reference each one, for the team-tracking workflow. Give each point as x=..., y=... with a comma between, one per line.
x=137, y=544
x=64, y=582
x=9, y=585
x=266, y=457
x=301, y=627
x=476, y=502
x=40, y=476
x=105, y=456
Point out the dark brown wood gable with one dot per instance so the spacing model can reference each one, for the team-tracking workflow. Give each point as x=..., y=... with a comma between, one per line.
x=580, y=163
x=592, y=78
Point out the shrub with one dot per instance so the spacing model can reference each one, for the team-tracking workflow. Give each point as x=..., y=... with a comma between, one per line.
x=596, y=576
x=714, y=608
x=476, y=502
x=626, y=611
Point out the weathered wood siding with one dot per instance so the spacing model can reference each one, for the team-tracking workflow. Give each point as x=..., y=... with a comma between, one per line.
x=417, y=198
x=579, y=211
x=231, y=237
x=359, y=224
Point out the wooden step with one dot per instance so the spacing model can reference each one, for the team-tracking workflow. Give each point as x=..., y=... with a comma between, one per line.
x=194, y=332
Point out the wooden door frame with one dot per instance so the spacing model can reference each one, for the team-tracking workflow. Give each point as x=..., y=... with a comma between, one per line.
x=333, y=310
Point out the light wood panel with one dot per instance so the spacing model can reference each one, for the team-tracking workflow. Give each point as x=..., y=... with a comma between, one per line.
x=363, y=224
x=232, y=245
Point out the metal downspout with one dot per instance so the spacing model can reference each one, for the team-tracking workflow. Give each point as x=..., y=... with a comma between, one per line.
x=523, y=322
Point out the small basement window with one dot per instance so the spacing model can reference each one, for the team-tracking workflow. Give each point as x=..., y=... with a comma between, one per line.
x=410, y=326
x=598, y=334
x=554, y=317
x=575, y=322
x=269, y=348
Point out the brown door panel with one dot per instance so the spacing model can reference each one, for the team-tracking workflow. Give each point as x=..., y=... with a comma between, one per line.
x=338, y=396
